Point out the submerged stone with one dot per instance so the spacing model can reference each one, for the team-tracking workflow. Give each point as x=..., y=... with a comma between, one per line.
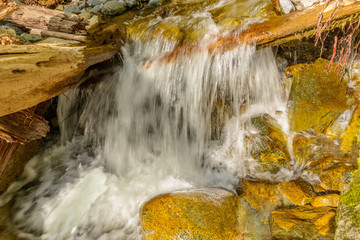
x=269, y=145
x=192, y=214
x=304, y=222
x=317, y=97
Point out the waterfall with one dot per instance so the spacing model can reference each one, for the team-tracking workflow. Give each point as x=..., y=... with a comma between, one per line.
x=140, y=132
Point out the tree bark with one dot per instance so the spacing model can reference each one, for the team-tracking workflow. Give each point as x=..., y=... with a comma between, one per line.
x=6, y=8
x=31, y=74
x=22, y=127
x=46, y=19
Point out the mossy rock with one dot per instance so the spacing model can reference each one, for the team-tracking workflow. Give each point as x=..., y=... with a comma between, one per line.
x=348, y=219
x=269, y=146
x=317, y=97
x=192, y=214
x=304, y=222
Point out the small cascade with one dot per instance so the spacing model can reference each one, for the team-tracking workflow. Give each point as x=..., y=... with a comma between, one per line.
x=147, y=130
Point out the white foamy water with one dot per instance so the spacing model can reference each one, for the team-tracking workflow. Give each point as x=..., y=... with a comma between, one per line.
x=141, y=132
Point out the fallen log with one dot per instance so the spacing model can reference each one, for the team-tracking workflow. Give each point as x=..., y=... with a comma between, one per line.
x=295, y=25
x=6, y=8
x=286, y=28
x=22, y=127
x=46, y=19
x=31, y=74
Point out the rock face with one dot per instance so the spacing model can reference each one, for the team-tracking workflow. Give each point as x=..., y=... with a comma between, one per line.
x=195, y=214
x=269, y=145
x=317, y=97
x=348, y=219
x=305, y=222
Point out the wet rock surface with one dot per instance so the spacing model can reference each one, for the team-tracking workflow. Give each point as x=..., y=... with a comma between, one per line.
x=312, y=105
x=193, y=214
x=305, y=222
x=269, y=145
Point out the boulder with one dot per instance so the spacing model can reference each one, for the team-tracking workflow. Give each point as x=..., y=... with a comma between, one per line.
x=317, y=97
x=210, y=213
x=192, y=214
x=269, y=145
x=304, y=222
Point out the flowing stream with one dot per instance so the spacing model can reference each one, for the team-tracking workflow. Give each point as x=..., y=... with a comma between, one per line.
x=143, y=131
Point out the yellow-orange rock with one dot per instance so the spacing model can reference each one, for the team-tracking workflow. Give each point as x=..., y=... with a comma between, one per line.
x=304, y=222
x=193, y=214
x=299, y=192
x=268, y=147
x=330, y=200
x=263, y=197
x=317, y=97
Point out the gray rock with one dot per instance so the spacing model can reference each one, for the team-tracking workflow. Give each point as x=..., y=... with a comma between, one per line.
x=130, y=3
x=72, y=9
x=93, y=3
x=113, y=8
x=96, y=9
x=31, y=37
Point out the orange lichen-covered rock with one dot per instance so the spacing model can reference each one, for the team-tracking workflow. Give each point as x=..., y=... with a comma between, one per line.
x=330, y=200
x=194, y=214
x=298, y=191
x=304, y=222
x=317, y=97
x=261, y=196
x=268, y=147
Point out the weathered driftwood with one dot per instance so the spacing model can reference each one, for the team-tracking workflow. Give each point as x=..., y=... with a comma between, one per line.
x=61, y=35
x=22, y=127
x=30, y=74
x=286, y=28
x=6, y=8
x=46, y=19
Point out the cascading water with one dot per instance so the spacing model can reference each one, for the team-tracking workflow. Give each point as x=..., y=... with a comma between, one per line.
x=143, y=131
